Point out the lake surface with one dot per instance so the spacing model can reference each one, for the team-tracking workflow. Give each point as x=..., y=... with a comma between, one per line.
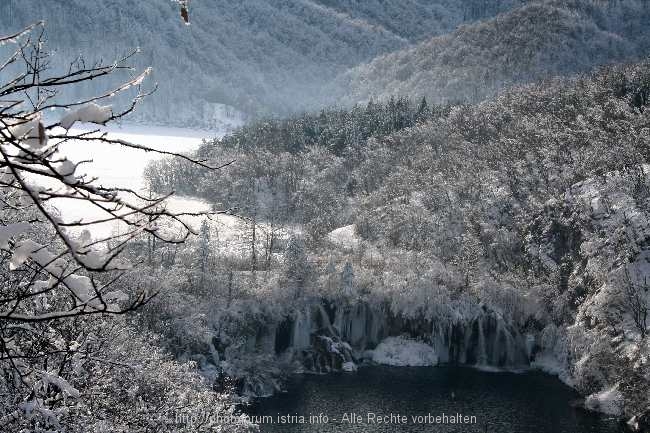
x=123, y=167
x=530, y=402
x=117, y=166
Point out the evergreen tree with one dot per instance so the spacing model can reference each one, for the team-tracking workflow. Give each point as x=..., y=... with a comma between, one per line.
x=347, y=280
x=423, y=111
x=296, y=265
x=204, y=251
x=330, y=274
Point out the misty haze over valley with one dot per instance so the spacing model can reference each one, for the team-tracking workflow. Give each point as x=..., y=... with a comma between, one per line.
x=302, y=216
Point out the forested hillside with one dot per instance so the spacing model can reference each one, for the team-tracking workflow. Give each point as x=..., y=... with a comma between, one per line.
x=478, y=195
x=260, y=57
x=266, y=58
x=532, y=206
x=540, y=40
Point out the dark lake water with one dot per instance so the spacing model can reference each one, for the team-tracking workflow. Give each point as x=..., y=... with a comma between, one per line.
x=530, y=402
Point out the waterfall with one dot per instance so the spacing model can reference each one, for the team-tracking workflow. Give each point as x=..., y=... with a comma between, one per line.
x=325, y=322
x=355, y=325
x=266, y=338
x=376, y=328
x=301, y=335
x=495, y=348
x=467, y=346
x=325, y=336
x=338, y=322
x=439, y=338
x=358, y=326
x=486, y=340
x=482, y=354
x=510, y=353
x=527, y=343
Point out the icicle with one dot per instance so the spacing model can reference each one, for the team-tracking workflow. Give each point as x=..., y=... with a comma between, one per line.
x=439, y=342
x=510, y=349
x=530, y=344
x=373, y=328
x=495, y=349
x=301, y=336
x=482, y=355
x=358, y=326
x=467, y=335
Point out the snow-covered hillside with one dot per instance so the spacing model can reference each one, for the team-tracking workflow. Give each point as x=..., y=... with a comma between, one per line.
x=502, y=233
x=262, y=56
x=540, y=40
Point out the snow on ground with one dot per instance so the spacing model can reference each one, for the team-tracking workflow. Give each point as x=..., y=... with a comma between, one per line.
x=344, y=237
x=403, y=352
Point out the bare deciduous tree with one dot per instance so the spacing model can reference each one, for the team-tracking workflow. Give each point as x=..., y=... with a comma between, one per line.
x=637, y=300
x=53, y=270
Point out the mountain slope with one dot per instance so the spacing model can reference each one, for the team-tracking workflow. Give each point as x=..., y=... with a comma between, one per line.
x=533, y=42
x=259, y=56
x=535, y=203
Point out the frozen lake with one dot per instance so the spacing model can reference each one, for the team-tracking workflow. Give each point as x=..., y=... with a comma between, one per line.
x=119, y=166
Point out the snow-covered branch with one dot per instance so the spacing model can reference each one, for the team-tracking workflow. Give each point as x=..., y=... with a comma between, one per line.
x=54, y=272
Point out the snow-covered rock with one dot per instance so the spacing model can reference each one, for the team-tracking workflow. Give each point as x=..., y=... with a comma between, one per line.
x=403, y=352
x=608, y=401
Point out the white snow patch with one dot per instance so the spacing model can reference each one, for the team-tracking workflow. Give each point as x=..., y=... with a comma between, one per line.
x=403, y=352
x=29, y=132
x=60, y=383
x=608, y=401
x=344, y=237
x=349, y=366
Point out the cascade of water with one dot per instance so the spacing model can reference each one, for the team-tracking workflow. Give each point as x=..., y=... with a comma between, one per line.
x=438, y=338
x=467, y=335
x=530, y=345
x=265, y=338
x=214, y=353
x=301, y=335
x=325, y=322
x=250, y=342
x=375, y=326
x=338, y=321
x=343, y=322
x=496, y=346
x=357, y=334
x=510, y=353
x=482, y=353
x=487, y=340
